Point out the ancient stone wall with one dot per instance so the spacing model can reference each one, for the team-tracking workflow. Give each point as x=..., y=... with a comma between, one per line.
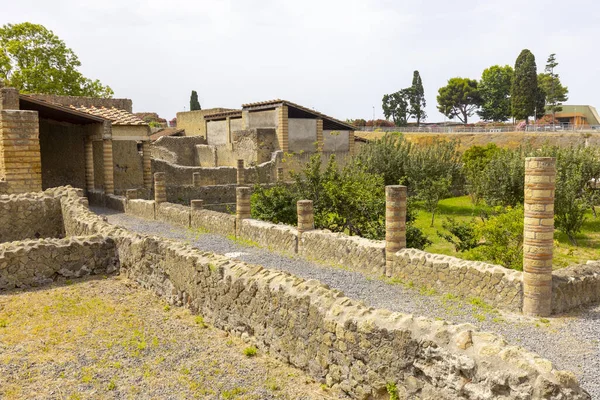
x=173, y=213
x=277, y=237
x=213, y=222
x=38, y=262
x=128, y=171
x=337, y=340
x=496, y=285
x=184, y=149
x=216, y=194
x=30, y=216
x=352, y=252
x=575, y=286
x=141, y=208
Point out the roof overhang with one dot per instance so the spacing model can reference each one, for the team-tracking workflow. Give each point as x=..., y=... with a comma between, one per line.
x=57, y=112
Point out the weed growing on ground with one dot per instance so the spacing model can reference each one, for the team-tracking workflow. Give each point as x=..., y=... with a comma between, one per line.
x=3, y=323
x=243, y=242
x=111, y=385
x=272, y=385
x=200, y=322
x=427, y=291
x=392, y=391
x=250, y=351
x=230, y=394
x=167, y=307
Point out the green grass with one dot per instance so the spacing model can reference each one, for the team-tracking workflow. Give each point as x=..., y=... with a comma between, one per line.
x=250, y=351
x=462, y=210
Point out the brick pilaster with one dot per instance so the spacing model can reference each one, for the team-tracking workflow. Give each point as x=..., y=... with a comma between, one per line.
x=109, y=171
x=147, y=164
x=320, y=139
x=20, y=151
x=282, y=128
x=89, y=163
x=351, y=142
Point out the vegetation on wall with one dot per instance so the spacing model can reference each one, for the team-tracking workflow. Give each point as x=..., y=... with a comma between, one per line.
x=34, y=60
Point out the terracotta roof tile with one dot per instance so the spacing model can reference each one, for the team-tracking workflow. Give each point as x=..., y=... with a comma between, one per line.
x=232, y=113
x=116, y=115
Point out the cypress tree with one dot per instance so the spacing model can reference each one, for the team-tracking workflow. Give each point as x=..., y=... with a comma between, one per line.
x=524, y=94
x=417, y=99
x=194, y=103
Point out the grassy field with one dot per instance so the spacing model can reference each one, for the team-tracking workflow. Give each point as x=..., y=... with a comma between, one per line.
x=462, y=209
x=109, y=339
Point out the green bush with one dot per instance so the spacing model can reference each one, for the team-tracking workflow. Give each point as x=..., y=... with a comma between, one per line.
x=475, y=160
x=463, y=235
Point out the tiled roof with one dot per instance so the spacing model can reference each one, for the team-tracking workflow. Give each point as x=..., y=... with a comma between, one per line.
x=166, y=132
x=232, y=113
x=289, y=103
x=116, y=115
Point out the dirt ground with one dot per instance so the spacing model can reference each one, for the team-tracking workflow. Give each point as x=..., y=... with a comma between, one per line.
x=106, y=338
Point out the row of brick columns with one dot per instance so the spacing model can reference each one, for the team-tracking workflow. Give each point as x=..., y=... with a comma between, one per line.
x=540, y=178
x=108, y=165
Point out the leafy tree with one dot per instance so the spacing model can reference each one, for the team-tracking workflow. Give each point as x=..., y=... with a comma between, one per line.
x=494, y=88
x=549, y=83
x=397, y=106
x=387, y=157
x=502, y=180
x=417, y=99
x=525, y=94
x=194, y=103
x=475, y=159
x=459, y=98
x=501, y=239
x=34, y=60
x=462, y=235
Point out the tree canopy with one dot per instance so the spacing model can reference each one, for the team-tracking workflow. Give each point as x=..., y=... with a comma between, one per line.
x=459, y=98
x=397, y=106
x=194, y=103
x=526, y=97
x=34, y=60
x=494, y=89
x=417, y=99
x=549, y=83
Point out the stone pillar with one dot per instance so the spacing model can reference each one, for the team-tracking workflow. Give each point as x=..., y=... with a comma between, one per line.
x=160, y=188
x=109, y=172
x=197, y=204
x=9, y=98
x=306, y=216
x=351, y=142
x=395, y=222
x=147, y=164
x=242, y=205
x=282, y=128
x=280, y=174
x=20, y=158
x=197, y=179
x=240, y=172
x=540, y=180
x=320, y=139
x=89, y=163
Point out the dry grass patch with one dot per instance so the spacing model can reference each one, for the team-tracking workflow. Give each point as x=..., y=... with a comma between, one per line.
x=106, y=338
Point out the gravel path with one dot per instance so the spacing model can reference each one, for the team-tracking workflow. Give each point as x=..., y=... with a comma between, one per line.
x=570, y=341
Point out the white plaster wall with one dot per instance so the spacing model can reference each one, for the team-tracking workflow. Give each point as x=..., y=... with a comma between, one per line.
x=262, y=119
x=302, y=134
x=216, y=132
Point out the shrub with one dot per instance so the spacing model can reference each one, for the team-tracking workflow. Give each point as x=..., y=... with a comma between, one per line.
x=250, y=351
x=475, y=160
x=462, y=235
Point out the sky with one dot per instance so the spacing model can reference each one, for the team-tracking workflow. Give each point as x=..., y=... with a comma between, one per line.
x=336, y=56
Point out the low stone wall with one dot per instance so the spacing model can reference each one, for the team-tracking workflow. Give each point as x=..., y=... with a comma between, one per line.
x=38, y=262
x=173, y=214
x=337, y=340
x=141, y=208
x=496, y=285
x=276, y=237
x=352, y=252
x=178, y=150
x=116, y=202
x=180, y=175
x=30, y=216
x=217, y=194
x=575, y=286
x=213, y=222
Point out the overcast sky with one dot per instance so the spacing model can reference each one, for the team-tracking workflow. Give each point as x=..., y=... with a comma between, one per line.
x=338, y=57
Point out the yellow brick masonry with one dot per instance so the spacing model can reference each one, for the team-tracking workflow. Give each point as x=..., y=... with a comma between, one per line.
x=283, y=129
x=20, y=151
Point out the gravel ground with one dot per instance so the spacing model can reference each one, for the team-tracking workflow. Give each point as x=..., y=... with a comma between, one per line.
x=570, y=341
x=98, y=338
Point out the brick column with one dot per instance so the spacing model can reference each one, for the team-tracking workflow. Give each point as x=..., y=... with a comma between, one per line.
x=280, y=174
x=9, y=98
x=147, y=164
x=109, y=172
x=282, y=128
x=240, y=172
x=197, y=204
x=351, y=142
x=540, y=181
x=242, y=205
x=160, y=188
x=320, y=139
x=306, y=216
x=395, y=222
x=20, y=151
x=89, y=163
